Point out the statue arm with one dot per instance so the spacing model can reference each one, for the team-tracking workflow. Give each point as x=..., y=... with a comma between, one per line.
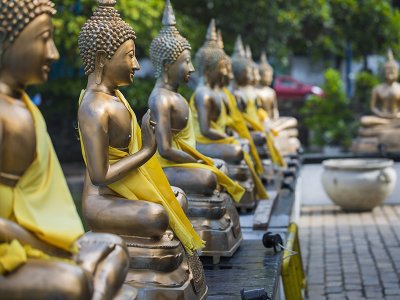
x=161, y=113
x=374, y=102
x=203, y=105
x=10, y=230
x=94, y=130
x=275, y=108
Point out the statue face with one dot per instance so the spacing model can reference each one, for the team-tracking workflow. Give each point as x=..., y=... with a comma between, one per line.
x=229, y=74
x=256, y=76
x=120, y=69
x=391, y=73
x=266, y=77
x=29, y=58
x=217, y=75
x=181, y=69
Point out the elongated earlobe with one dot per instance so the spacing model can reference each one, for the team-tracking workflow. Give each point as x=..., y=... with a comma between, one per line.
x=100, y=63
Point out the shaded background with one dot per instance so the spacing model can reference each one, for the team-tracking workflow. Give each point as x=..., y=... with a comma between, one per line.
x=327, y=32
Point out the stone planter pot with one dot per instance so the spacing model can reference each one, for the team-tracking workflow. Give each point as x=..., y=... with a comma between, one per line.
x=358, y=184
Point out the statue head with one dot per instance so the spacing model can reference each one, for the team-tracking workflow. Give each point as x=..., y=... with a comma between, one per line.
x=255, y=78
x=228, y=77
x=170, y=51
x=27, y=48
x=211, y=59
x=391, y=68
x=242, y=69
x=107, y=46
x=266, y=70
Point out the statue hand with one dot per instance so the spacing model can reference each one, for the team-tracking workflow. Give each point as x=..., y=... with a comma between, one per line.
x=148, y=136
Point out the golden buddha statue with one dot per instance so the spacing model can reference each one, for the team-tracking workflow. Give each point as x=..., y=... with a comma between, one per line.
x=246, y=95
x=211, y=118
x=284, y=127
x=126, y=191
x=383, y=129
x=210, y=209
x=43, y=250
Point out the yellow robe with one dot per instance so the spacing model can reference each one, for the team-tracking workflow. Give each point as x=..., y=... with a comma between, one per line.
x=185, y=140
x=252, y=118
x=220, y=126
x=41, y=201
x=149, y=183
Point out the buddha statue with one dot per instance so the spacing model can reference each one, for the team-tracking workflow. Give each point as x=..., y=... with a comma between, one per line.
x=44, y=253
x=285, y=128
x=211, y=118
x=381, y=131
x=210, y=207
x=246, y=95
x=126, y=191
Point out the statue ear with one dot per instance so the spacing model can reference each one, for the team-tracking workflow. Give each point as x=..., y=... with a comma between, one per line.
x=101, y=57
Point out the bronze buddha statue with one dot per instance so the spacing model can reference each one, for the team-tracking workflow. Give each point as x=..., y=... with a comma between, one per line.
x=210, y=209
x=284, y=127
x=246, y=95
x=211, y=118
x=125, y=189
x=383, y=129
x=44, y=251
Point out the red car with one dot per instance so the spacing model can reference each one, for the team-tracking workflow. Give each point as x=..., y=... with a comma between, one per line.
x=288, y=88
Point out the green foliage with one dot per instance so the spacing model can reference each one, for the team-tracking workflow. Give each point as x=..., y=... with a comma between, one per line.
x=364, y=84
x=329, y=118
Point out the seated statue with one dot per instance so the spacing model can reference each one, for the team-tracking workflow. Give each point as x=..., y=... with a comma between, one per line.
x=285, y=128
x=246, y=95
x=44, y=253
x=125, y=190
x=210, y=210
x=211, y=118
x=383, y=129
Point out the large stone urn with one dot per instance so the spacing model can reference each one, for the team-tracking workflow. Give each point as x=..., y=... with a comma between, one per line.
x=358, y=184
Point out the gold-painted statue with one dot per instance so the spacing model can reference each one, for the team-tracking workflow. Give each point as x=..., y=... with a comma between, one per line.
x=44, y=253
x=211, y=118
x=382, y=131
x=284, y=127
x=210, y=209
x=245, y=71
x=126, y=191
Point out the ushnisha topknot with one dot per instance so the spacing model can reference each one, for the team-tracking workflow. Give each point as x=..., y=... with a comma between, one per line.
x=105, y=31
x=15, y=15
x=390, y=61
x=169, y=44
x=239, y=60
x=211, y=53
x=264, y=65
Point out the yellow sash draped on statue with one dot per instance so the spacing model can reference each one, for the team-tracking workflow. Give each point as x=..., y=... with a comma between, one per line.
x=185, y=140
x=252, y=119
x=220, y=126
x=236, y=121
x=41, y=201
x=149, y=183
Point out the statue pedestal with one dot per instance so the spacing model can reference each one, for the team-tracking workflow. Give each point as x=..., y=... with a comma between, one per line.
x=161, y=269
x=216, y=220
x=241, y=173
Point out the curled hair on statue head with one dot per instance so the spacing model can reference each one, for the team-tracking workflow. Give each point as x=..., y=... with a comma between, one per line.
x=104, y=31
x=15, y=15
x=169, y=44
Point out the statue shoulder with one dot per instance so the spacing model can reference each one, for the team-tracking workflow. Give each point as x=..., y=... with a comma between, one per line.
x=95, y=105
x=160, y=99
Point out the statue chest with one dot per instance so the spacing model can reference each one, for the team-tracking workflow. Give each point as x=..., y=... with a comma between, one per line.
x=119, y=126
x=18, y=139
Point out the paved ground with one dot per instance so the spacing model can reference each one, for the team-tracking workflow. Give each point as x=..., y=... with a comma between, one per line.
x=351, y=255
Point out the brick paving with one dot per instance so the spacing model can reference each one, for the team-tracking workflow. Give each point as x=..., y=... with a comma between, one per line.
x=351, y=255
